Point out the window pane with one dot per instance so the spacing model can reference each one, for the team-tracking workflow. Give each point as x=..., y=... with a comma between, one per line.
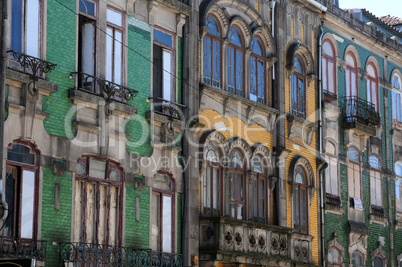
x=348, y=89
x=234, y=37
x=11, y=180
x=398, y=169
x=331, y=78
x=114, y=17
x=208, y=188
x=216, y=188
x=90, y=213
x=32, y=28
x=398, y=107
x=239, y=211
x=87, y=7
x=354, y=90
x=167, y=81
x=167, y=224
x=117, y=57
x=303, y=208
x=231, y=70
x=232, y=210
x=324, y=75
x=260, y=81
x=394, y=105
x=109, y=54
x=255, y=210
x=261, y=194
x=372, y=188
x=353, y=155
x=16, y=25
x=301, y=96
x=97, y=169
x=334, y=176
x=207, y=59
x=239, y=73
x=327, y=48
x=374, y=162
x=155, y=221
x=22, y=154
x=213, y=28
x=296, y=208
x=253, y=87
x=216, y=63
x=27, y=206
x=378, y=262
x=357, y=181
x=88, y=46
x=163, y=38
x=232, y=186
x=240, y=192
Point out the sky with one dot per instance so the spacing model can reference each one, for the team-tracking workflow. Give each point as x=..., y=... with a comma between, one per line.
x=378, y=8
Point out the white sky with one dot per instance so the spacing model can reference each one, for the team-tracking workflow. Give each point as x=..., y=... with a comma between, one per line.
x=378, y=8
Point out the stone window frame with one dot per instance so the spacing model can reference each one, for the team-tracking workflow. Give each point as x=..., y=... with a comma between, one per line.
x=226, y=23
x=235, y=171
x=213, y=39
x=83, y=175
x=379, y=252
x=372, y=62
x=328, y=39
x=362, y=255
x=334, y=243
x=35, y=168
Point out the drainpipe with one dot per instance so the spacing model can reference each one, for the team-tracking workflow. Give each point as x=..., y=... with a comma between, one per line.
x=317, y=5
x=272, y=4
x=3, y=48
x=321, y=168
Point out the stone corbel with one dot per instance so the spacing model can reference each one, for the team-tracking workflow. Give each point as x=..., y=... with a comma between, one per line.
x=271, y=119
x=292, y=186
x=289, y=71
x=310, y=77
x=152, y=9
x=352, y=138
x=363, y=74
x=226, y=173
x=341, y=63
x=226, y=41
x=226, y=104
x=180, y=20
x=311, y=191
x=248, y=51
x=251, y=176
x=303, y=130
x=203, y=31
x=130, y=7
x=271, y=61
x=272, y=183
x=250, y=113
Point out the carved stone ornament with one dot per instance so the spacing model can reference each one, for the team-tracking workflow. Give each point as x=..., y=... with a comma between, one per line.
x=305, y=164
x=302, y=129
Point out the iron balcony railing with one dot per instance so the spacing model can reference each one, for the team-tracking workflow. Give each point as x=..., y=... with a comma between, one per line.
x=109, y=90
x=359, y=110
x=83, y=253
x=11, y=248
x=169, y=108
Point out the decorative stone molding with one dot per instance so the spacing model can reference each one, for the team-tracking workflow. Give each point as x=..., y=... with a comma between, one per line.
x=250, y=113
x=341, y=63
x=203, y=31
x=363, y=74
x=226, y=106
x=272, y=183
x=152, y=10
x=271, y=61
x=358, y=242
x=180, y=20
x=130, y=7
x=299, y=160
x=380, y=252
x=300, y=128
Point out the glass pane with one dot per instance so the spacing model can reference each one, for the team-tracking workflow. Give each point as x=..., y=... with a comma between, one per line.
x=97, y=169
x=231, y=70
x=374, y=162
x=211, y=154
x=213, y=28
x=303, y=209
x=32, y=28
x=372, y=188
x=239, y=73
x=118, y=57
x=87, y=7
x=394, y=105
x=298, y=66
x=236, y=160
x=260, y=81
x=163, y=38
x=353, y=155
x=11, y=180
x=207, y=58
x=261, y=194
x=398, y=107
x=232, y=210
x=371, y=71
x=294, y=92
x=348, y=89
x=253, y=87
x=234, y=37
x=334, y=176
x=328, y=178
x=232, y=186
x=327, y=48
x=167, y=81
x=354, y=90
x=167, y=224
x=331, y=78
x=208, y=188
x=398, y=195
x=398, y=169
x=350, y=60
x=88, y=46
x=155, y=222
x=255, y=205
x=324, y=75
x=109, y=54
x=257, y=165
x=256, y=47
x=300, y=96
x=27, y=206
x=216, y=188
x=216, y=63
x=114, y=17
x=16, y=25
x=240, y=191
x=378, y=262
x=357, y=182
x=296, y=208
x=22, y=154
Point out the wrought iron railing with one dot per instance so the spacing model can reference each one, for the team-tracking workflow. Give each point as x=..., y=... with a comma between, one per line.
x=11, y=248
x=169, y=108
x=359, y=110
x=82, y=253
x=109, y=90
x=33, y=66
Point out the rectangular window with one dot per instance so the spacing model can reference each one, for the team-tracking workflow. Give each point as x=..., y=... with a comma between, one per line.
x=354, y=180
x=114, y=47
x=164, y=69
x=331, y=174
x=375, y=188
x=162, y=227
x=25, y=26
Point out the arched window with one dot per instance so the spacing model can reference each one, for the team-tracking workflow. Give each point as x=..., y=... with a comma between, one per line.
x=260, y=196
x=328, y=68
x=378, y=261
x=357, y=259
x=372, y=86
x=298, y=93
x=300, y=215
x=351, y=75
x=396, y=98
x=235, y=63
x=257, y=72
x=98, y=201
x=22, y=181
x=236, y=186
x=334, y=257
x=212, y=182
x=398, y=186
x=212, y=54
x=331, y=173
x=376, y=186
x=354, y=179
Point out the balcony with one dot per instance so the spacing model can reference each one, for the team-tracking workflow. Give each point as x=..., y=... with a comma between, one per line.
x=359, y=114
x=169, y=108
x=22, y=249
x=245, y=242
x=104, y=88
x=82, y=253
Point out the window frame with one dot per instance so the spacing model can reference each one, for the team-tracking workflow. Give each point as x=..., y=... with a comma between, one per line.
x=172, y=195
x=258, y=59
x=235, y=172
x=362, y=257
x=376, y=172
x=339, y=259
x=326, y=75
x=298, y=77
x=382, y=259
x=396, y=92
x=241, y=50
x=373, y=81
x=398, y=188
x=299, y=187
x=354, y=168
x=85, y=179
x=256, y=198
x=213, y=39
x=115, y=28
x=351, y=69
x=213, y=166
x=20, y=167
x=330, y=172
x=172, y=52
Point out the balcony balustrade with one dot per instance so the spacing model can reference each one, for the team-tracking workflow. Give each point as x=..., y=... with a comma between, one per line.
x=357, y=110
x=11, y=248
x=169, y=108
x=81, y=253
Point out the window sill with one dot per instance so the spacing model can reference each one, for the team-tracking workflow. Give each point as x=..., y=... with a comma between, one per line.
x=45, y=87
x=328, y=97
x=378, y=219
x=334, y=209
